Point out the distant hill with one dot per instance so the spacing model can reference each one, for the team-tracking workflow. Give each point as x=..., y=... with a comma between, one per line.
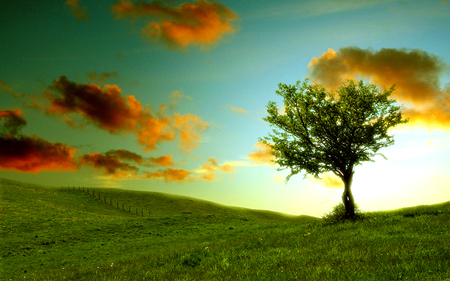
x=153, y=203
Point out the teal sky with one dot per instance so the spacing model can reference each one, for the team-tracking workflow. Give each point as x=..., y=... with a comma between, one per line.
x=215, y=69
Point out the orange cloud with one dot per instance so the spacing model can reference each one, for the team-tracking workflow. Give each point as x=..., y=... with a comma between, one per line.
x=211, y=165
x=154, y=130
x=238, y=110
x=170, y=175
x=163, y=161
x=262, y=155
x=30, y=154
x=78, y=11
x=202, y=23
x=101, y=77
x=189, y=127
x=327, y=180
x=415, y=73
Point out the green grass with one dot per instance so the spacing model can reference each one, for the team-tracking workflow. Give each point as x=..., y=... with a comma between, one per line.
x=59, y=234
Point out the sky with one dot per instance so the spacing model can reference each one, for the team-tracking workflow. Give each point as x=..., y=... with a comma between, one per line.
x=170, y=96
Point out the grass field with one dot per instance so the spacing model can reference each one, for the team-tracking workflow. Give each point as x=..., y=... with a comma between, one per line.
x=64, y=234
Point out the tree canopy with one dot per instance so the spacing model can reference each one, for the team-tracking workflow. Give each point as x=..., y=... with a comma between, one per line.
x=319, y=131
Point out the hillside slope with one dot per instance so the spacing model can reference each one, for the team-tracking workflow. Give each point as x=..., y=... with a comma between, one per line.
x=109, y=201
x=67, y=234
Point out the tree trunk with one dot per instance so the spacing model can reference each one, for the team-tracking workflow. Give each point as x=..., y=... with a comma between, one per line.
x=347, y=197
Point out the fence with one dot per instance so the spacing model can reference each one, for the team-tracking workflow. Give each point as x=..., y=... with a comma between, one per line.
x=103, y=198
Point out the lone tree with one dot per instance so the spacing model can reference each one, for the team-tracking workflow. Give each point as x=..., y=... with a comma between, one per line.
x=321, y=131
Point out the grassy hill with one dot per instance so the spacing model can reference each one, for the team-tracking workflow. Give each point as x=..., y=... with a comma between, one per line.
x=67, y=234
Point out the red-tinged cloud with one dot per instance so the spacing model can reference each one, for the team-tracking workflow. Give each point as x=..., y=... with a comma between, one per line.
x=108, y=164
x=122, y=163
x=170, y=175
x=30, y=154
x=189, y=127
x=109, y=110
x=33, y=155
x=202, y=23
x=80, y=12
x=106, y=107
x=262, y=155
x=415, y=73
x=123, y=154
x=11, y=122
x=101, y=77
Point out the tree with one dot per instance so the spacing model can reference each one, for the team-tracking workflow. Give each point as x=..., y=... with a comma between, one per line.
x=321, y=131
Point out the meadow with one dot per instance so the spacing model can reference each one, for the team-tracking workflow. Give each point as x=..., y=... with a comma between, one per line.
x=56, y=233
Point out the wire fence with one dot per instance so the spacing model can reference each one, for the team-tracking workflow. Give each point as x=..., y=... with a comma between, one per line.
x=102, y=197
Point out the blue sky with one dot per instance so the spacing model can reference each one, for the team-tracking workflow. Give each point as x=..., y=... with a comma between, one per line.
x=215, y=72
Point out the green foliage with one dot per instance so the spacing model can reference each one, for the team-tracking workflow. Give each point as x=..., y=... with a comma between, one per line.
x=55, y=234
x=323, y=131
x=338, y=215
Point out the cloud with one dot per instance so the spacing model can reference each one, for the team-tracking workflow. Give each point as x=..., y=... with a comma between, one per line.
x=108, y=164
x=176, y=97
x=278, y=179
x=11, y=122
x=33, y=155
x=189, y=127
x=211, y=165
x=30, y=154
x=155, y=129
x=208, y=169
x=8, y=89
x=238, y=110
x=107, y=109
x=415, y=73
x=80, y=12
x=170, y=175
x=122, y=163
x=202, y=23
x=101, y=77
x=262, y=155
x=327, y=180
